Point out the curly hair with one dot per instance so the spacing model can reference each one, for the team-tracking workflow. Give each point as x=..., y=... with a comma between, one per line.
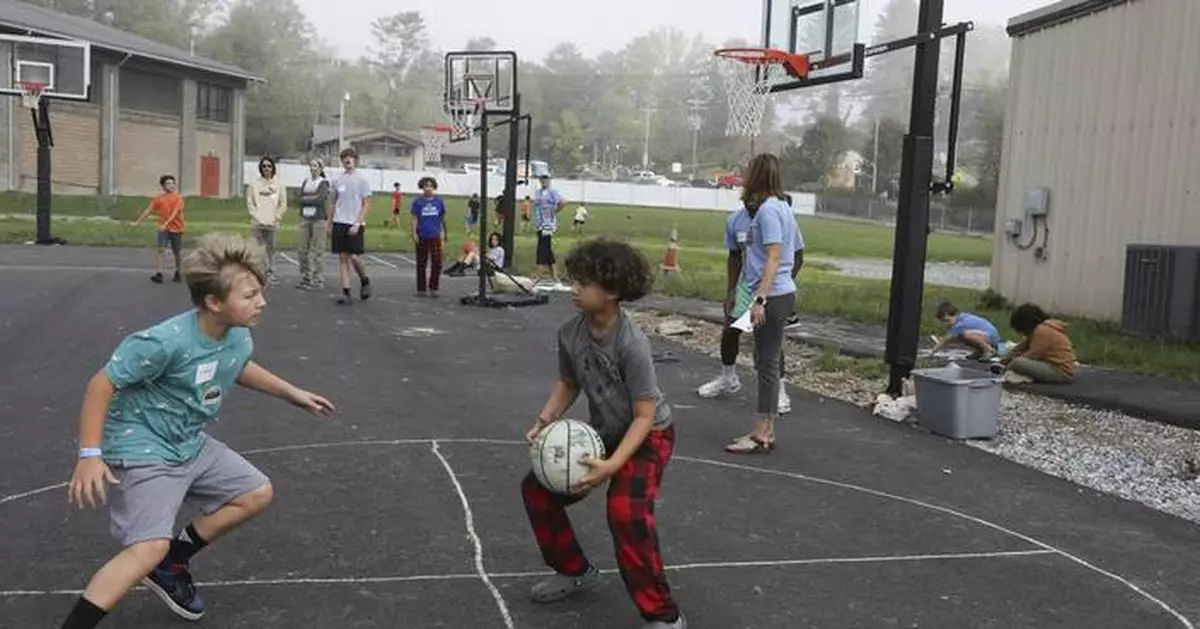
x=612, y=265
x=212, y=266
x=424, y=180
x=1027, y=317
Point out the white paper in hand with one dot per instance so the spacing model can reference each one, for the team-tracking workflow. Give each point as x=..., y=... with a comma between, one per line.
x=743, y=323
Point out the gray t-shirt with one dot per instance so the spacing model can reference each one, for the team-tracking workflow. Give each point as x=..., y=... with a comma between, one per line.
x=612, y=372
x=349, y=190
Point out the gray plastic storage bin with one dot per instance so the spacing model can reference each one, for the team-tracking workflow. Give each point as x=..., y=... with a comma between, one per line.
x=957, y=403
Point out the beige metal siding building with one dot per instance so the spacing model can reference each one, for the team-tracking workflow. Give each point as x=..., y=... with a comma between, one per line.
x=1104, y=97
x=154, y=110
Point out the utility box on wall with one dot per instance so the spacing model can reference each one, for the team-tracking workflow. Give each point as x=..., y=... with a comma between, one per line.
x=1162, y=291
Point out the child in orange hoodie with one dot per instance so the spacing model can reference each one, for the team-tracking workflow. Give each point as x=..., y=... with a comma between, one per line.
x=1045, y=354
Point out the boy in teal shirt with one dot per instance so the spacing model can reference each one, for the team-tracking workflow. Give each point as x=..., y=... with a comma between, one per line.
x=142, y=442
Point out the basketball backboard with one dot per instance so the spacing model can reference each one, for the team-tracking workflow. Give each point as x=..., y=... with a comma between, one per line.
x=63, y=66
x=825, y=30
x=487, y=76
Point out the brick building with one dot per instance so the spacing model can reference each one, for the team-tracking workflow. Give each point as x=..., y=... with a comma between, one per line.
x=153, y=110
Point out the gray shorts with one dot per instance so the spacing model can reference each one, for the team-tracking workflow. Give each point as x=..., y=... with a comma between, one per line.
x=174, y=240
x=144, y=505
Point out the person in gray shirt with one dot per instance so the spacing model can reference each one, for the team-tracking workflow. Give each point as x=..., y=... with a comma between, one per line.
x=604, y=355
x=347, y=224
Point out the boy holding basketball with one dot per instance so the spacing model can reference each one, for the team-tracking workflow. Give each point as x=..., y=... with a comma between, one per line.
x=143, y=448
x=604, y=355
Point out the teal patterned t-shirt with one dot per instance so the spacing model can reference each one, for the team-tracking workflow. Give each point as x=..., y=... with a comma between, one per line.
x=171, y=380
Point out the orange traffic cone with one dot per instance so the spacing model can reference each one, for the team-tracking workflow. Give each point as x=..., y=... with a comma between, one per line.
x=670, y=262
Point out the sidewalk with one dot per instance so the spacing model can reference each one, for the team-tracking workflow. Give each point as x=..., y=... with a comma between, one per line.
x=1160, y=399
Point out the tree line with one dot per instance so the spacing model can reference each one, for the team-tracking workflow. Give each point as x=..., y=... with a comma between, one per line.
x=661, y=91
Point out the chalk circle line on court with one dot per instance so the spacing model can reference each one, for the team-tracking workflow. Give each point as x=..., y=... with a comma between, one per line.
x=433, y=443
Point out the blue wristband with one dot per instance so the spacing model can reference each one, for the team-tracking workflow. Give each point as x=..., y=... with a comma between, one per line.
x=90, y=453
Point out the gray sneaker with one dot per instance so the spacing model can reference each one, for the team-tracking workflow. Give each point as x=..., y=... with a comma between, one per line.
x=680, y=623
x=561, y=586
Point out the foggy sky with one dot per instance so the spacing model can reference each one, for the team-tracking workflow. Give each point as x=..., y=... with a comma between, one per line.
x=533, y=27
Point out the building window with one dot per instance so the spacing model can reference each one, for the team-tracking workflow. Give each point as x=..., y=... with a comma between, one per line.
x=149, y=92
x=213, y=102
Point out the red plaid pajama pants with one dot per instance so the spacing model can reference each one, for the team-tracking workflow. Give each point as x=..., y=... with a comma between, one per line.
x=429, y=252
x=631, y=495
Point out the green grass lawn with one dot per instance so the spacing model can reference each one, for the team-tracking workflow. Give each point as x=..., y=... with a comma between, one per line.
x=642, y=226
x=823, y=291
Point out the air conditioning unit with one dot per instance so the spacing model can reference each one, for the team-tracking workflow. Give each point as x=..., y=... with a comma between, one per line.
x=1162, y=291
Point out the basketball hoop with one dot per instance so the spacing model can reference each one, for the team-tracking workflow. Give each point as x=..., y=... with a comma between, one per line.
x=434, y=139
x=31, y=93
x=464, y=117
x=749, y=75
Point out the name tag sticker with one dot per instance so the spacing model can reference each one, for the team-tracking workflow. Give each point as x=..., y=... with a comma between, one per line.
x=206, y=372
x=309, y=212
x=741, y=238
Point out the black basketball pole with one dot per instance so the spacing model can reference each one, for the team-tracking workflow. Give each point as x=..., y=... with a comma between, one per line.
x=912, y=220
x=483, y=194
x=45, y=141
x=508, y=226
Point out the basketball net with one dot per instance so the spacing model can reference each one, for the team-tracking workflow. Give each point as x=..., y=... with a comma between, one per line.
x=748, y=82
x=463, y=119
x=434, y=139
x=31, y=94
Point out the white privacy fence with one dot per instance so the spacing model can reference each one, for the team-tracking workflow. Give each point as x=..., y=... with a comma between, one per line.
x=575, y=191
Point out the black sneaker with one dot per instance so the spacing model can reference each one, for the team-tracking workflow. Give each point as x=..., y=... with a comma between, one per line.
x=177, y=279
x=156, y=278
x=173, y=584
x=364, y=289
x=345, y=299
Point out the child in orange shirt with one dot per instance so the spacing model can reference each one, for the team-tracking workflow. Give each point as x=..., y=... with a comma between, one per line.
x=168, y=207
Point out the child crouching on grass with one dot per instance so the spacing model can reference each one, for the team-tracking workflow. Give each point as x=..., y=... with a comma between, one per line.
x=604, y=355
x=142, y=442
x=1046, y=353
x=971, y=329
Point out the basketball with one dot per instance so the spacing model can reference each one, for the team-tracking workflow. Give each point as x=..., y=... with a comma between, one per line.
x=556, y=452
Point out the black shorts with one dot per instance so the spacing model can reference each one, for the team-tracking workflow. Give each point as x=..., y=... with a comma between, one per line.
x=545, y=250
x=343, y=242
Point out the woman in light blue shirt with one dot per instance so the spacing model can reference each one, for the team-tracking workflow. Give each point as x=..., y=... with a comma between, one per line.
x=766, y=274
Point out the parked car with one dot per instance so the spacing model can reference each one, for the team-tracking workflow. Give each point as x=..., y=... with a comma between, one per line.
x=730, y=180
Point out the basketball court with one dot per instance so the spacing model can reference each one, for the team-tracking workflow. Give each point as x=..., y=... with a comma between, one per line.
x=405, y=506
x=404, y=509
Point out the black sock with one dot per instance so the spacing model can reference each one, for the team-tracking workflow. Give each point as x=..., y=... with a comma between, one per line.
x=85, y=615
x=346, y=292
x=185, y=545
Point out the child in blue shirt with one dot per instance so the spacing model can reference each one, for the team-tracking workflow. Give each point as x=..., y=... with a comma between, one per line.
x=430, y=234
x=971, y=329
x=143, y=449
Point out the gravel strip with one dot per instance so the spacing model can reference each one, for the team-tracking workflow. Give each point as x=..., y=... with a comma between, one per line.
x=1154, y=464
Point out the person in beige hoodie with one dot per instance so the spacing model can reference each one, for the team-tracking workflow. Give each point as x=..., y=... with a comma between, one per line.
x=266, y=200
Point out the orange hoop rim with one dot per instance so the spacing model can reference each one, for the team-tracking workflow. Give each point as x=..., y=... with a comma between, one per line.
x=438, y=128
x=796, y=65
x=33, y=87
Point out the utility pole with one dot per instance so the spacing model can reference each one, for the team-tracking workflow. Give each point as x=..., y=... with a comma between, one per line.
x=342, y=121
x=646, y=111
x=696, y=105
x=875, y=163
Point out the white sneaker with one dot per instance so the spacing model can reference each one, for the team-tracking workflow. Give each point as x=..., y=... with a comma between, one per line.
x=721, y=385
x=785, y=402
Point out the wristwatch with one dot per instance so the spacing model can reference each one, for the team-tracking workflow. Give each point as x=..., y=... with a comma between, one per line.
x=759, y=300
